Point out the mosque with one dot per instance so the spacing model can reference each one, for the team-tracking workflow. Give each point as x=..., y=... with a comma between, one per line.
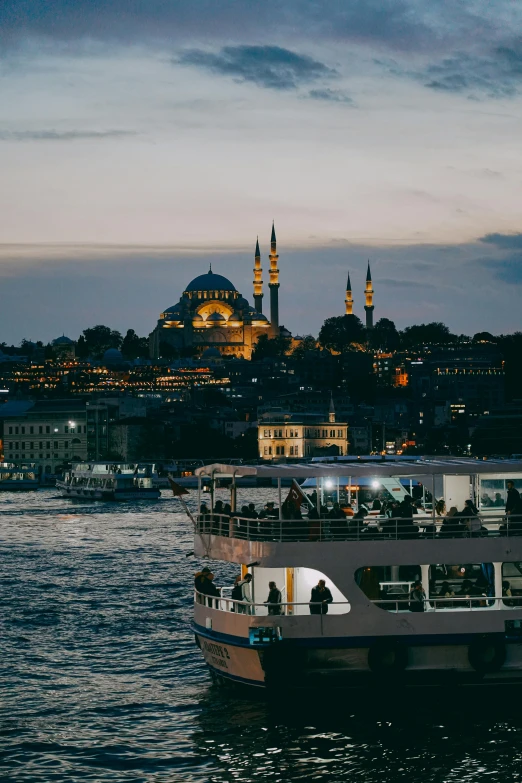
x=213, y=318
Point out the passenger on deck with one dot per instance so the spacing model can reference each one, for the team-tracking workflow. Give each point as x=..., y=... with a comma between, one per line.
x=252, y=513
x=203, y=582
x=320, y=598
x=274, y=599
x=218, y=507
x=498, y=500
x=338, y=526
x=356, y=523
x=513, y=498
x=486, y=501
x=227, y=510
x=440, y=508
x=451, y=526
x=445, y=592
x=417, y=597
x=206, y=517
x=376, y=505
x=471, y=519
x=406, y=527
x=246, y=595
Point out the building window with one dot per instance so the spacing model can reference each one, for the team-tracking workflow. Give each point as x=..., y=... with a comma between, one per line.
x=270, y=450
x=296, y=451
x=47, y=444
x=23, y=429
x=66, y=429
x=332, y=433
x=265, y=452
x=16, y=431
x=31, y=430
x=48, y=456
x=23, y=445
x=40, y=430
x=66, y=444
x=40, y=456
x=47, y=429
x=55, y=444
x=32, y=445
x=40, y=444
x=10, y=430
x=291, y=451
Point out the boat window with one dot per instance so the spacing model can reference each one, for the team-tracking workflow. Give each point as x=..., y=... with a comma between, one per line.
x=464, y=580
x=493, y=491
x=512, y=584
x=388, y=586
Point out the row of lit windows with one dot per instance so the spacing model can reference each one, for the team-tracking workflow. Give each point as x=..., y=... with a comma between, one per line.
x=307, y=433
x=68, y=429
x=16, y=445
x=279, y=451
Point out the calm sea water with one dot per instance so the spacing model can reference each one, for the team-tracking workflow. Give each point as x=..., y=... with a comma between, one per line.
x=100, y=679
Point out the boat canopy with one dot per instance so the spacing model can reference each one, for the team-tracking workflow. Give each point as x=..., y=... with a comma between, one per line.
x=420, y=467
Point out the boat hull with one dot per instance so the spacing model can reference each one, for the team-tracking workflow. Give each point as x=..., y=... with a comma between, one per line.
x=332, y=663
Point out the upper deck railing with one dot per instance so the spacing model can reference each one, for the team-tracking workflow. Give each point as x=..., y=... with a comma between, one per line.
x=372, y=528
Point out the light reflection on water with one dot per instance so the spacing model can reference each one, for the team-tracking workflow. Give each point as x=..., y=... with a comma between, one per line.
x=101, y=680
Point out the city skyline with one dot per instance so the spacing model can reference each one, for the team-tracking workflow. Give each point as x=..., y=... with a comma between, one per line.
x=136, y=146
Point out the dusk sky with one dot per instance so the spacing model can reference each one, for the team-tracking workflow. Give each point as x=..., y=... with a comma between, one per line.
x=141, y=140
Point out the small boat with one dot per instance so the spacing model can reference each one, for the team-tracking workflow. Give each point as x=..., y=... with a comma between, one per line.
x=15, y=477
x=109, y=481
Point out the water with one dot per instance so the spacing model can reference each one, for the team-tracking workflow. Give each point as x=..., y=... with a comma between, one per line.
x=100, y=679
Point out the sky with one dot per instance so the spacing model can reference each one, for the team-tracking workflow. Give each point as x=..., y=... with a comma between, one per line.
x=141, y=141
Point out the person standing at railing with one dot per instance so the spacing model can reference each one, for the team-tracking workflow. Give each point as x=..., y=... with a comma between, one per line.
x=471, y=519
x=320, y=598
x=417, y=597
x=513, y=499
x=203, y=582
x=245, y=607
x=274, y=599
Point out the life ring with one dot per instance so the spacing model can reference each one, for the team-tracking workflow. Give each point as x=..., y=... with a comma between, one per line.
x=387, y=657
x=487, y=654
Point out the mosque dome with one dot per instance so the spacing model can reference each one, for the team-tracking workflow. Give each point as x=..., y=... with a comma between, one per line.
x=63, y=340
x=235, y=318
x=210, y=282
x=242, y=303
x=216, y=318
x=113, y=356
x=198, y=318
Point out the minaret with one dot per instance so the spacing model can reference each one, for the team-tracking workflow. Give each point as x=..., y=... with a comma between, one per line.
x=258, y=280
x=369, y=299
x=331, y=409
x=274, y=286
x=349, y=301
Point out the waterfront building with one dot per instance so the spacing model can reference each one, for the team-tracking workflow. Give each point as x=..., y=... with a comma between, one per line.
x=283, y=434
x=48, y=433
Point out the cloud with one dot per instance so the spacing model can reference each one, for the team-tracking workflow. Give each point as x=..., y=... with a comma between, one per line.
x=497, y=74
x=267, y=66
x=508, y=270
x=330, y=95
x=504, y=241
x=53, y=135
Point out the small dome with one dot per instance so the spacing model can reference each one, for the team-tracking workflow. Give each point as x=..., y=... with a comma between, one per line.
x=113, y=356
x=63, y=340
x=259, y=317
x=197, y=317
x=216, y=318
x=210, y=282
x=235, y=317
x=242, y=303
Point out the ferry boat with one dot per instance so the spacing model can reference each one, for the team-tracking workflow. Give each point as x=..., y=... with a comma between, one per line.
x=109, y=481
x=430, y=600
x=16, y=477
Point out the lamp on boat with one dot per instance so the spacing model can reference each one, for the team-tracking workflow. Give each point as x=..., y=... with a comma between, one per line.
x=328, y=484
x=375, y=484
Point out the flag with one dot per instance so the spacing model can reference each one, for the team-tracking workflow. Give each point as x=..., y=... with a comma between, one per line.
x=177, y=490
x=296, y=496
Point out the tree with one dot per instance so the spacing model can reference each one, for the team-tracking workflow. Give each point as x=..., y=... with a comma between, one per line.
x=342, y=333
x=306, y=345
x=81, y=348
x=273, y=348
x=484, y=337
x=99, y=339
x=384, y=336
x=434, y=333
x=134, y=347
